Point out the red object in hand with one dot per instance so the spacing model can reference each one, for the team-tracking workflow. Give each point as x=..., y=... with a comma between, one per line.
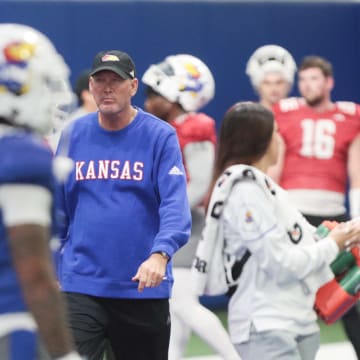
x=332, y=301
x=338, y=296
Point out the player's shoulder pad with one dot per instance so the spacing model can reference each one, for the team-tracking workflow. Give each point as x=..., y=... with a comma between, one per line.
x=289, y=104
x=199, y=126
x=348, y=107
x=26, y=160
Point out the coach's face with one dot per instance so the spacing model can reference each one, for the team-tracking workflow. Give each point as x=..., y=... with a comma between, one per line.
x=111, y=92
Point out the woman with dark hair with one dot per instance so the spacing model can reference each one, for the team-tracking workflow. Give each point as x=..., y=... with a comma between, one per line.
x=246, y=132
x=259, y=249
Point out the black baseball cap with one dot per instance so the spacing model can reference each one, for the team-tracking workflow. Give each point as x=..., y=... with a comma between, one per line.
x=114, y=60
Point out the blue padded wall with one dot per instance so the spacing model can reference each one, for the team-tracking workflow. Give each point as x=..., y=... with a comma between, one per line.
x=223, y=34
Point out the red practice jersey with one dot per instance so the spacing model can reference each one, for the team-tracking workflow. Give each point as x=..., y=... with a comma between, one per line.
x=194, y=128
x=316, y=144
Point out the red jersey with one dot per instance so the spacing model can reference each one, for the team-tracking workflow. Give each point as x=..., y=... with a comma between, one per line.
x=194, y=128
x=197, y=136
x=316, y=144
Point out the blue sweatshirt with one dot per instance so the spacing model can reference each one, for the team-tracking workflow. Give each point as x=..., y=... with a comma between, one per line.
x=125, y=199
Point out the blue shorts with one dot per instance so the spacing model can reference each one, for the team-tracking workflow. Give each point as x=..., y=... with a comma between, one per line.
x=21, y=345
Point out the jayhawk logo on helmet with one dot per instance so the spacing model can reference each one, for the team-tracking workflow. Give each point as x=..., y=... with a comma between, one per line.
x=19, y=52
x=183, y=79
x=12, y=72
x=193, y=74
x=34, y=79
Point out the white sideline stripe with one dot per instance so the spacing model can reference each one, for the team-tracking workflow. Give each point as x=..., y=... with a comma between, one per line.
x=333, y=351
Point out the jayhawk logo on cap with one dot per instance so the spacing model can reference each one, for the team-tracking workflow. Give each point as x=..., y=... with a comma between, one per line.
x=109, y=57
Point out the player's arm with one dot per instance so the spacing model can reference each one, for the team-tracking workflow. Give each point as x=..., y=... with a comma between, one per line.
x=26, y=213
x=275, y=170
x=354, y=177
x=199, y=160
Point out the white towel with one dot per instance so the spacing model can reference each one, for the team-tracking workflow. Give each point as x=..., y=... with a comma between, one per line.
x=212, y=268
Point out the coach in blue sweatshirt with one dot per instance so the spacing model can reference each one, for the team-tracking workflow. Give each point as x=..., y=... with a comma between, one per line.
x=123, y=214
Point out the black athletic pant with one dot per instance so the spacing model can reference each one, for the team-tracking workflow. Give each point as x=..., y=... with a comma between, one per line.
x=351, y=320
x=135, y=329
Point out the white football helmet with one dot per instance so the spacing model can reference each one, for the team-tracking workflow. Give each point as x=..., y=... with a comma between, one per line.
x=34, y=79
x=270, y=58
x=183, y=79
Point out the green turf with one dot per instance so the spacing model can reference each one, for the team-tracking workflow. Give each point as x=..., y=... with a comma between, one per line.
x=331, y=333
x=197, y=346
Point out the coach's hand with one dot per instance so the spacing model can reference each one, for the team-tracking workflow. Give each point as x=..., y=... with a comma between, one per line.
x=151, y=272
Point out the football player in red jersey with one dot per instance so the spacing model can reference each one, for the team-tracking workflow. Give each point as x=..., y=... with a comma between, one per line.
x=321, y=155
x=177, y=88
x=271, y=70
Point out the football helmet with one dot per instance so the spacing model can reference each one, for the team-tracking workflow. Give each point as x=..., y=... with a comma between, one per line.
x=270, y=58
x=183, y=79
x=34, y=79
